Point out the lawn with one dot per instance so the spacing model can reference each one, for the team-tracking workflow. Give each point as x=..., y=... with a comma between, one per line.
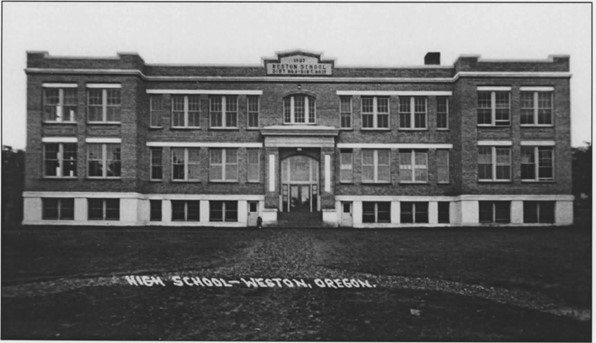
x=552, y=265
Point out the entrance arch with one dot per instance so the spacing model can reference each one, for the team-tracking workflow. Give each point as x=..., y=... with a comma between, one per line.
x=299, y=184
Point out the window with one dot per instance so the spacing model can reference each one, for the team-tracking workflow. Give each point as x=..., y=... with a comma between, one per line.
x=299, y=109
x=536, y=108
x=414, y=212
x=494, y=163
x=103, y=209
x=223, y=111
x=345, y=112
x=155, y=108
x=376, y=212
x=443, y=212
x=103, y=105
x=376, y=166
x=156, y=172
x=442, y=112
x=493, y=108
x=412, y=112
x=223, y=211
x=60, y=159
x=186, y=164
x=346, y=172
x=252, y=161
x=223, y=165
x=413, y=166
x=59, y=104
x=494, y=211
x=57, y=208
x=253, y=111
x=104, y=160
x=375, y=112
x=537, y=163
x=539, y=212
x=185, y=111
x=186, y=210
x=443, y=166
x=155, y=210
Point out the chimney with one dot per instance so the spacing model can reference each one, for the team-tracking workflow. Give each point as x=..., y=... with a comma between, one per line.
x=432, y=58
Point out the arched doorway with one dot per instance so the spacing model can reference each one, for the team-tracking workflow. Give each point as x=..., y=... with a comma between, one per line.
x=299, y=184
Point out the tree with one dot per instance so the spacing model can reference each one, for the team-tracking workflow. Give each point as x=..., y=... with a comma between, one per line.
x=582, y=174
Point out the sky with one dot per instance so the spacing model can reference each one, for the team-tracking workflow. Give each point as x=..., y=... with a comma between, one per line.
x=354, y=34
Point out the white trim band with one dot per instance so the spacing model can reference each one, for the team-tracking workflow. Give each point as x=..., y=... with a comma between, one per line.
x=394, y=146
x=537, y=143
x=103, y=140
x=493, y=88
x=495, y=143
x=539, y=89
x=59, y=85
x=205, y=91
x=396, y=93
x=103, y=85
x=59, y=139
x=206, y=144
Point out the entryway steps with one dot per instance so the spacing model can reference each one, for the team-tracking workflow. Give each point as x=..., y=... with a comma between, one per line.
x=299, y=219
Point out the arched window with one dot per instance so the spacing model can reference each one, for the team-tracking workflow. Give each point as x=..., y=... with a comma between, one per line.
x=299, y=109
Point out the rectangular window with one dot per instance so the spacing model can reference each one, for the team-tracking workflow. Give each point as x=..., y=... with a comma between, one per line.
x=59, y=104
x=103, y=105
x=223, y=111
x=156, y=164
x=223, y=165
x=537, y=163
x=493, y=108
x=443, y=166
x=186, y=164
x=413, y=166
x=346, y=170
x=442, y=113
x=103, y=160
x=155, y=210
x=494, y=211
x=376, y=212
x=345, y=112
x=412, y=112
x=375, y=112
x=60, y=159
x=253, y=111
x=186, y=210
x=494, y=163
x=536, y=108
x=155, y=108
x=376, y=166
x=57, y=208
x=539, y=212
x=443, y=212
x=185, y=111
x=252, y=165
x=414, y=212
x=223, y=211
x=103, y=209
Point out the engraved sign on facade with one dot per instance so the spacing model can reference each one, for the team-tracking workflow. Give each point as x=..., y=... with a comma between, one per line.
x=299, y=64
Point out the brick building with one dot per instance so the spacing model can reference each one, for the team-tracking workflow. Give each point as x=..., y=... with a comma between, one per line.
x=297, y=139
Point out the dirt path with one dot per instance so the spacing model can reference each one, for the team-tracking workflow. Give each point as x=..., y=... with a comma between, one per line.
x=284, y=255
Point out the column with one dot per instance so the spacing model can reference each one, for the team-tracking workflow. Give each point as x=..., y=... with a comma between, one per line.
x=433, y=212
x=517, y=212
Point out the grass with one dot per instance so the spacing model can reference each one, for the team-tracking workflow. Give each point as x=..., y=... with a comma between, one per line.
x=551, y=261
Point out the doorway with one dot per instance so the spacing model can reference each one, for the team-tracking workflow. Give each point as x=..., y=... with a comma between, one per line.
x=300, y=184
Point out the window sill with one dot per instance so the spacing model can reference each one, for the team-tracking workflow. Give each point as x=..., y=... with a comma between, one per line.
x=413, y=182
x=185, y=127
x=537, y=126
x=59, y=122
x=294, y=124
x=253, y=129
x=443, y=183
x=372, y=183
x=103, y=178
x=442, y=129
x=494, y=181
x=411, y=129
x=508, y=126
x=375, y=129
x=60, y=177
x=104, y=123
x=185, y=181
x=253, y=182
x=236, y=128
x=155, y=127
x=346, y=183
x=156, y=180
x=346, y=129
x=223, y=181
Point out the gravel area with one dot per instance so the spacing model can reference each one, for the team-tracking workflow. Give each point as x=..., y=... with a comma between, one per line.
x=300, y=256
